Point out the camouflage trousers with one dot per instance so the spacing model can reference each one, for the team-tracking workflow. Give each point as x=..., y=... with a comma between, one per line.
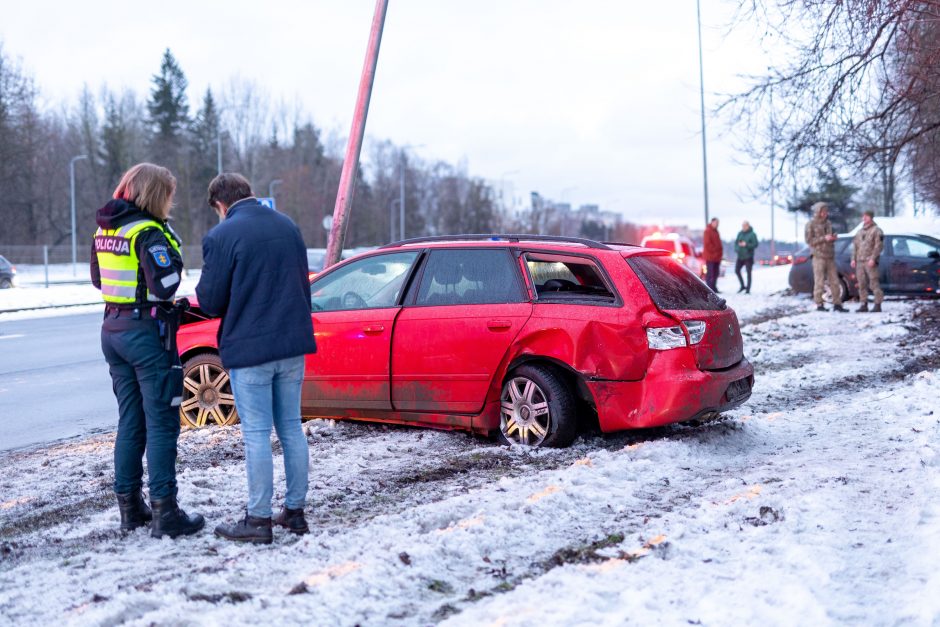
x=868, y=278
x=825, y=270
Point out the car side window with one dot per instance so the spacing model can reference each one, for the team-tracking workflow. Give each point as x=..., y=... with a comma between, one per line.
x=370, y=283
x=470, y=277
x=564, y=278
x=912, y=247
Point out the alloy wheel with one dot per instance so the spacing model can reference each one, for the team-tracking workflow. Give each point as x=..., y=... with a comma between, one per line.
x=207, y=394
x=525, y=417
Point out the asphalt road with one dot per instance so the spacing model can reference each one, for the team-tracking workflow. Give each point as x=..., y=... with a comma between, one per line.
x=54, y=382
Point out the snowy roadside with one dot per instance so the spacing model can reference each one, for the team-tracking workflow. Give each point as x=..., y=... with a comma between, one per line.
x=817, y=501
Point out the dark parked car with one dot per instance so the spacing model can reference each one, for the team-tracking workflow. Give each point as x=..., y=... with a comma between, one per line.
x=909, y=265
x=7, y=273
x=518, y=336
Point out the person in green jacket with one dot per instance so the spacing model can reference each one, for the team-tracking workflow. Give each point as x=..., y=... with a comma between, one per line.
x=744, y=245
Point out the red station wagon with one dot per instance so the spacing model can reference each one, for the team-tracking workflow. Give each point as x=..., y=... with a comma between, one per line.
x=520, y=336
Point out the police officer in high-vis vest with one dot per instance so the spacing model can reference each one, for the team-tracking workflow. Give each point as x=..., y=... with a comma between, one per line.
x=136, y=263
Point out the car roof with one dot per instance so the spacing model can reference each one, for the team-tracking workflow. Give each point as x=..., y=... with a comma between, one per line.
x=544, y=242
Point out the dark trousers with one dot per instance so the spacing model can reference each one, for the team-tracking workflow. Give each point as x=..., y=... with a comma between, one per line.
x=748, y=264
x=145, y=385
x=711, y=276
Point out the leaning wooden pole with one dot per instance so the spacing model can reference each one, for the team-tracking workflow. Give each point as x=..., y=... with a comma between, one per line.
x=347, y=181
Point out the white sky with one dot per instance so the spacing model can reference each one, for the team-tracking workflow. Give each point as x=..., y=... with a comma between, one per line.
x=593, y=101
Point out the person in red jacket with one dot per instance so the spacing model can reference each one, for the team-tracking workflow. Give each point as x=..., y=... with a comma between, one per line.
x=713, y=252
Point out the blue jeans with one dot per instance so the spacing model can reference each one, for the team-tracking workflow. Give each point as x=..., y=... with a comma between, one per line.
x=265, y=396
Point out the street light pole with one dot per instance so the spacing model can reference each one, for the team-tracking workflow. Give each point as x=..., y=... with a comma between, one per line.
x=72, y=182
x=401, y=194
x=701, y=95
x=391, y=219
x=773, y=177
x=218, y=152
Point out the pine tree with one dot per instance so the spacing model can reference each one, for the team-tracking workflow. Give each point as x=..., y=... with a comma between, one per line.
x=169, y=110
x=204, y=138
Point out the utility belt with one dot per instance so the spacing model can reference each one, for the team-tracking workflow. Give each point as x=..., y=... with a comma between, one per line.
x=167, y=315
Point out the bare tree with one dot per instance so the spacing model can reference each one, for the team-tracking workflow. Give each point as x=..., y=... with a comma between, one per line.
x=858, y=85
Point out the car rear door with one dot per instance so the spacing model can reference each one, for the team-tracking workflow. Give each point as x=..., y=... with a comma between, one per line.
x=449, y=342
x=354, y=310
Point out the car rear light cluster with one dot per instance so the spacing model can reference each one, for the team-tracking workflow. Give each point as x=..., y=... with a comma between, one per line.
x=800, y=259
x=665, y=338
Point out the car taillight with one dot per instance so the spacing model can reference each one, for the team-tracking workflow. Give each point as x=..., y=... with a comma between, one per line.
x=665, y=338
x=696, y=329
x=800, y=259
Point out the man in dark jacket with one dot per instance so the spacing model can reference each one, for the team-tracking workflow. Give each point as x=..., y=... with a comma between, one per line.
x=254, y=275
x=744, y=246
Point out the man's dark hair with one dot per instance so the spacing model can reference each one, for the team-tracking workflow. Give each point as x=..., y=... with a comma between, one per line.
x=228, y=188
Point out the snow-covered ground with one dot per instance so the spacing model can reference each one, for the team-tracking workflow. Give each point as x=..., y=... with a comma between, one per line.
x=817, y=502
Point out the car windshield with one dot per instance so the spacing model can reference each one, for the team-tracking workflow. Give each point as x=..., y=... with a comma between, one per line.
x=672, y=286
x=373, y=282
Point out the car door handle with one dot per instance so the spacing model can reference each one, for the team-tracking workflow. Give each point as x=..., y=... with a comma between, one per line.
x=498, y=325
x=374, y=329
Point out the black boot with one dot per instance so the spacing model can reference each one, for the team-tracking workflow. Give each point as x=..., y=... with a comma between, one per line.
x=821, y=307
x=134, y=512
x=170, y=520
x=876, y=308
x=863, y=308
x=250, y=529
x=839, y=308
x=292, y=520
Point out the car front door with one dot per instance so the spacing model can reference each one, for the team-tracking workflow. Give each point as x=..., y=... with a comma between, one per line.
x=913, y=264
x=449, y=342
x=354, y=310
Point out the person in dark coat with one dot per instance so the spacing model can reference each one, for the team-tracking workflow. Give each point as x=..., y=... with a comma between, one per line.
x=136, y=262
x=255, y=277
x=745, y=244
x=712, y=252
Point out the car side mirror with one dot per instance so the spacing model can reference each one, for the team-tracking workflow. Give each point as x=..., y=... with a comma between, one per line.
x=934, y=254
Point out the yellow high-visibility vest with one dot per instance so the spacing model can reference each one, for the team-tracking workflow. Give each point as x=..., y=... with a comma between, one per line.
x=118, y=262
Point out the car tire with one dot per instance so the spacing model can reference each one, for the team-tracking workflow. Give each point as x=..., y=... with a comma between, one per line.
x=5, y=284
x=207, y=393
x=537, y=409
x=843, y=288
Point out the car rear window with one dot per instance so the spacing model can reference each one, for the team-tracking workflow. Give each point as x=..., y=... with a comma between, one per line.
x=672, y=286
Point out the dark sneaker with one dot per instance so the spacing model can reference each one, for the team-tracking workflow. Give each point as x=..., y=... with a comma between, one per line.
x=249, y=529
x=876, y=308
x=740, y=290
x=134, y=512
x=170, y=520
x=293, y=520
x=839, y=308
x=821, y=308
x=863, y=308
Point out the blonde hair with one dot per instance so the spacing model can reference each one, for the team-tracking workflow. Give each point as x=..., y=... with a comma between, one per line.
x=150, y=187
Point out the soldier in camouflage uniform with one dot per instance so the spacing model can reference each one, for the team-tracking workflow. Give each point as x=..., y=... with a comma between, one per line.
x=868, y=243
x=821, y=240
